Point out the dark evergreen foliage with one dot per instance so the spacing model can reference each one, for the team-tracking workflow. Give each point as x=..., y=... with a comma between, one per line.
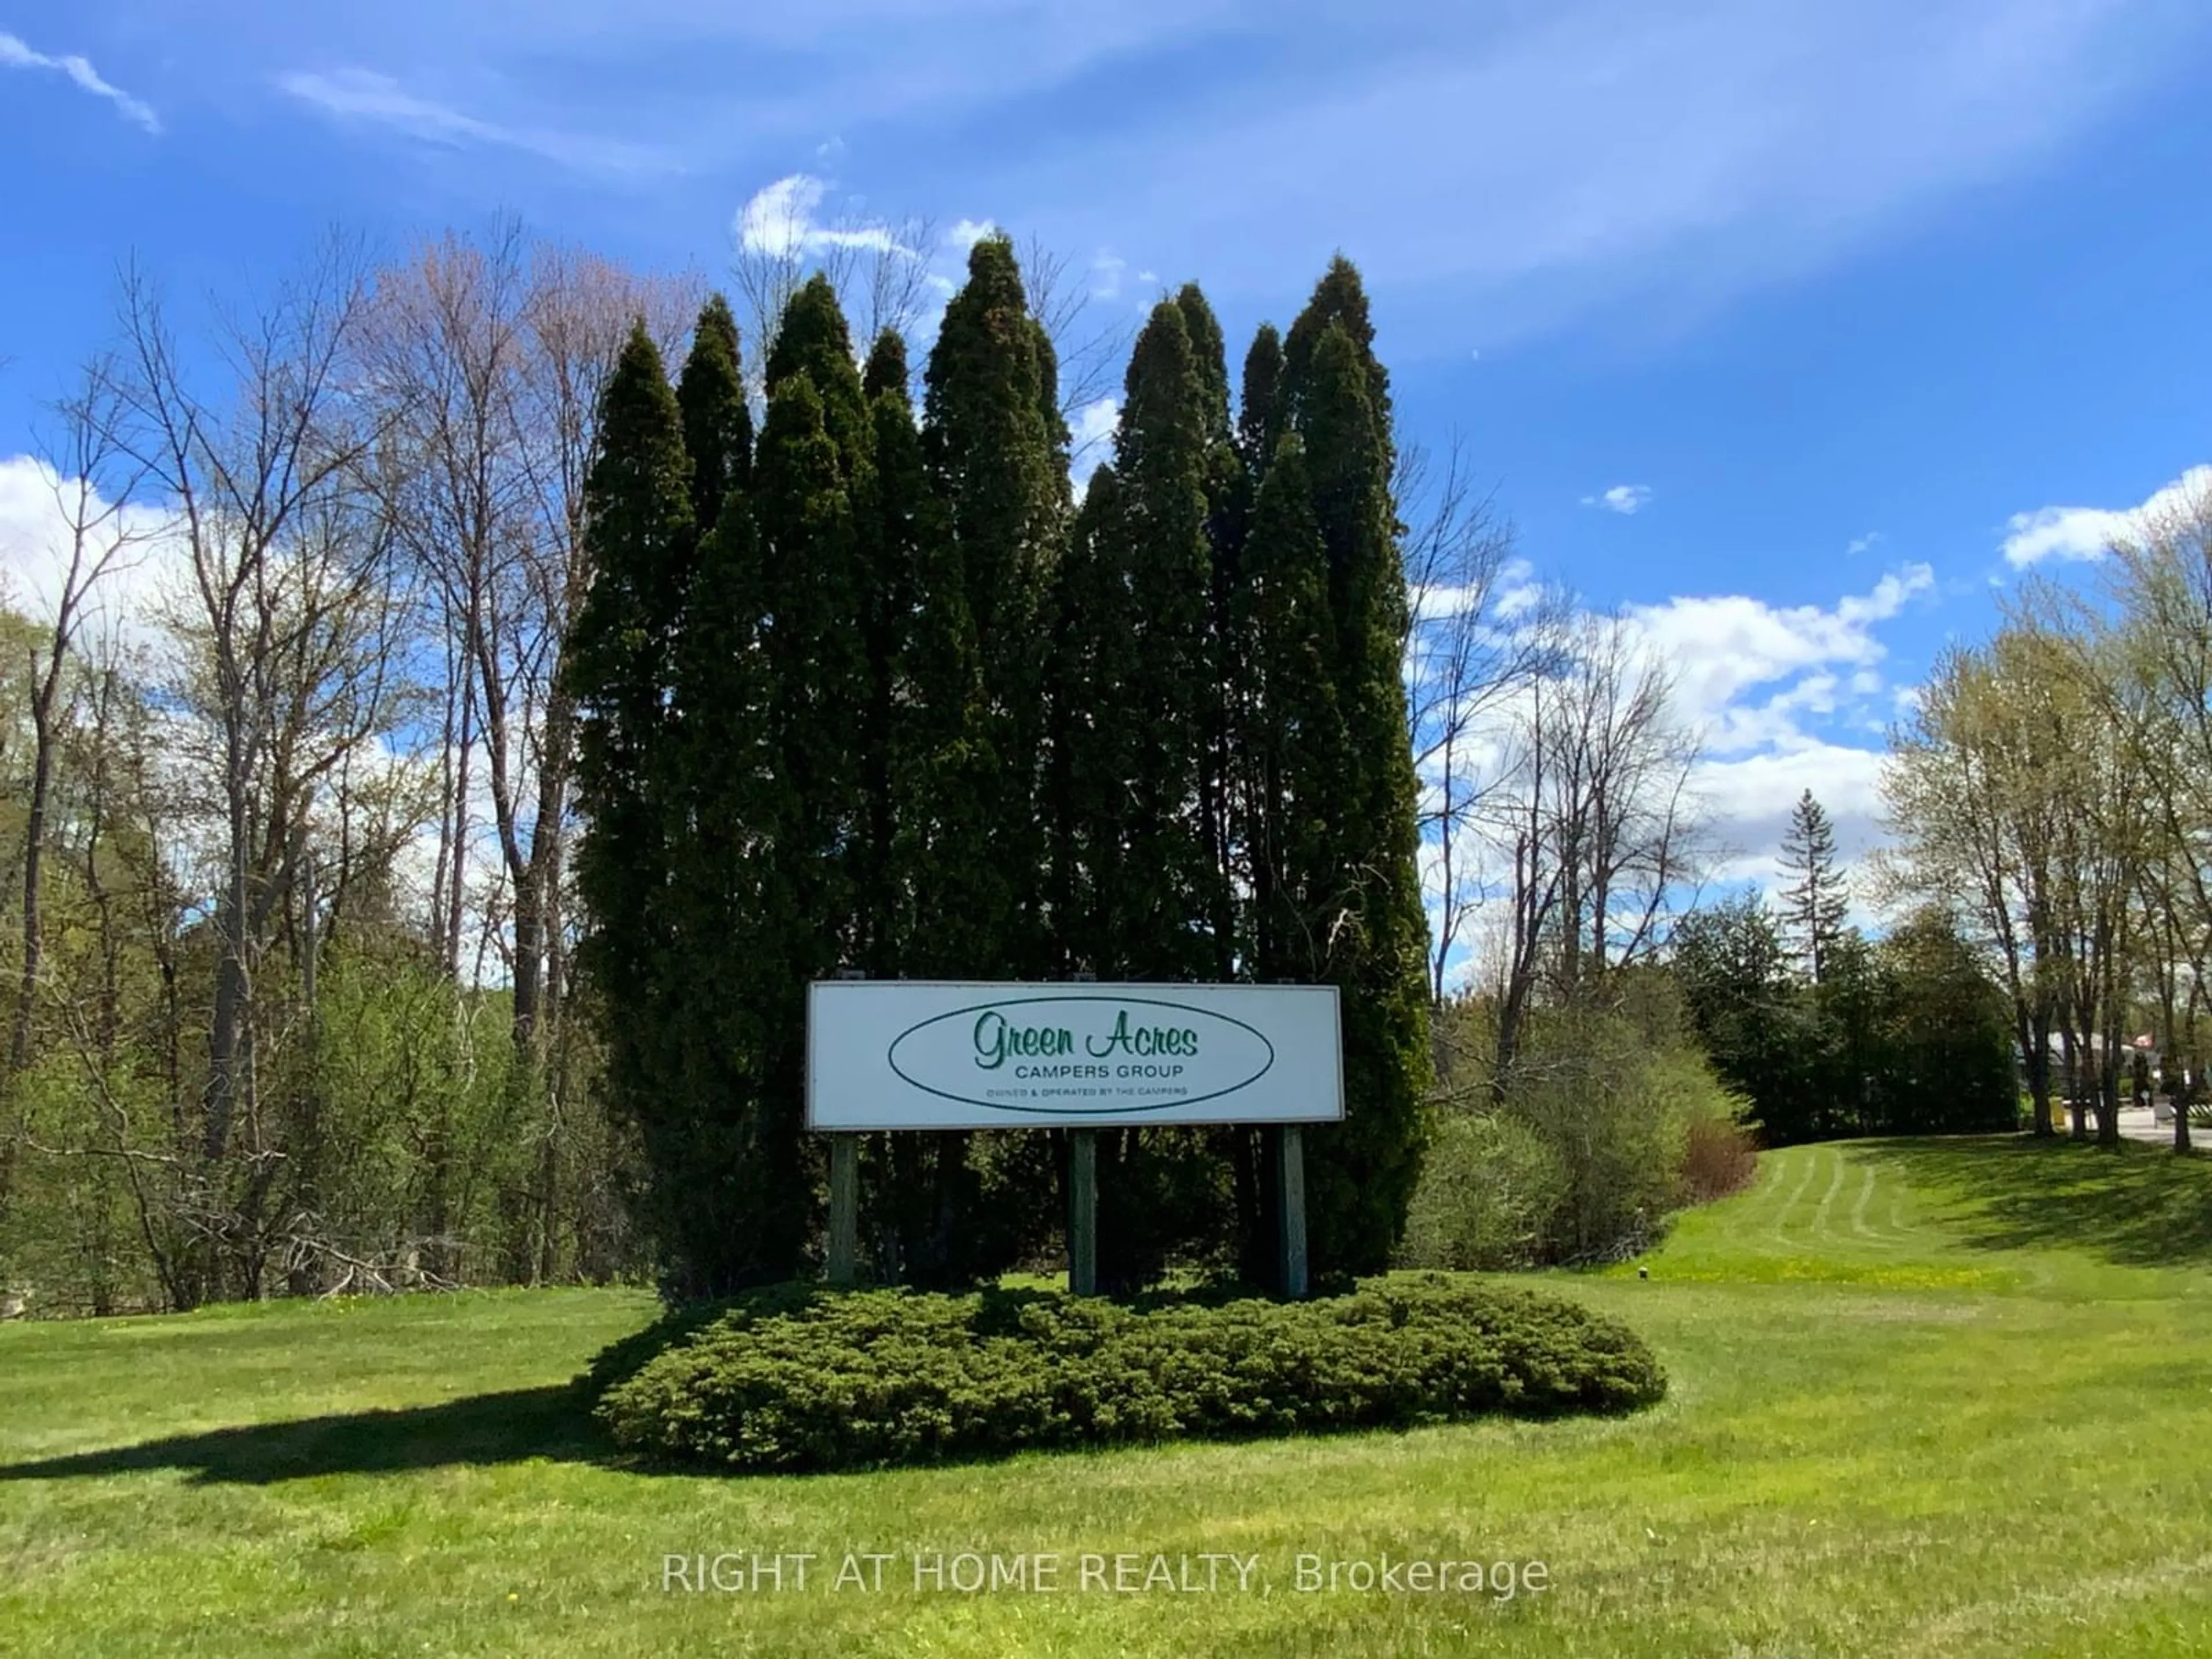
x=789, y=1380
x=619, y=666
x=718, y=422
x=865, y=694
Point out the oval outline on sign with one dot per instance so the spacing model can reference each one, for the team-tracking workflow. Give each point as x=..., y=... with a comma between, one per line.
x=890, y=1056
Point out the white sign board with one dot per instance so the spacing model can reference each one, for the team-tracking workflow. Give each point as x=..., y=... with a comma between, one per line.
x=940, y=1054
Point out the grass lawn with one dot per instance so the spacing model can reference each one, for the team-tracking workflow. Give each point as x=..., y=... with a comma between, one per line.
x=1929, y=1399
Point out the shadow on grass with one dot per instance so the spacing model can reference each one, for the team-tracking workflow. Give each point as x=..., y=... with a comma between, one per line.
x=2136, y=1205
x=552, y=1422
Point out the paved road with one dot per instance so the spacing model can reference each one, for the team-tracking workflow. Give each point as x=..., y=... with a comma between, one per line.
x=2136, y=1124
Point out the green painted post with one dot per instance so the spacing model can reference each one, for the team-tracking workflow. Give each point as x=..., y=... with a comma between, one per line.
x=1290, y=1173
x=844, y=1209
x=1083, y=1212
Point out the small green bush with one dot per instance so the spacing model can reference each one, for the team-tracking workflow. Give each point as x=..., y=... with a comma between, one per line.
x=1490, y=1189
x=820, y=1380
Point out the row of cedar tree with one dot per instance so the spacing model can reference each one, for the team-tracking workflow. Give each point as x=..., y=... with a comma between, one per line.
x=857, y=690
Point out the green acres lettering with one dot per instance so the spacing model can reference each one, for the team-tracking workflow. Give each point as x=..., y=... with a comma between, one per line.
x=997, y=1040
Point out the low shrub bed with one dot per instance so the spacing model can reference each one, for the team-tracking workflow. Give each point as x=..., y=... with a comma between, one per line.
x=799, y=1379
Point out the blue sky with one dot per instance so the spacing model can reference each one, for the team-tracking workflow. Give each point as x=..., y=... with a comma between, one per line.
x=1778, y=322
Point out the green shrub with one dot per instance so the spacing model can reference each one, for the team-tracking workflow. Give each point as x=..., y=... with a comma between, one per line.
x=820, y=1380
x=1490, y=1189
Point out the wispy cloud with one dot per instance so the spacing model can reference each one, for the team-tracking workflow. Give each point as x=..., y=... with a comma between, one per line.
x=15, y=54
x=363, y=96
x=2088, y=532
x=1624, y=499
x=1859, y=544
x=780, y=221
x=1599, y=152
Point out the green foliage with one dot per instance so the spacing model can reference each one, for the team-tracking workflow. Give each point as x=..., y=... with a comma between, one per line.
x=1946, y=1036
x=1906, y=1037
x=1611, y=1120
x=1733, y=968
x=718, y=420
x=929, y=720
x=1374, y=933
x=992, y=449
x=1491, y=1189
x=878, y=1378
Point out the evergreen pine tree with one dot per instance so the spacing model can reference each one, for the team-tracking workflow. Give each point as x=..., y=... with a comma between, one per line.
x=1340, y=301
x=1814, y=903
x=814, y=340
x=1260, y=403
x=1153, y=610
x=1362, y=1172
x=718, y=422
x=1091, y=762
x=1137, y=680
x=997, y=470
x=1228, y=487
x=1292, y=744
x=890, y=511
x=724, y=1179
x=1289, y=752
x=619, y=666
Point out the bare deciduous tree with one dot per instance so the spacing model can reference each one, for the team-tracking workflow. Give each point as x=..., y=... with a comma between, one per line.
x=94, y=484
x=288, y=628
x=1599, y=824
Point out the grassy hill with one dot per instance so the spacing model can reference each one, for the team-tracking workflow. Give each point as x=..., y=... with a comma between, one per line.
x=1940, y=1398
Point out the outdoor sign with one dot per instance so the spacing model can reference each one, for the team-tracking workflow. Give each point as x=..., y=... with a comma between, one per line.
x=940, y=1055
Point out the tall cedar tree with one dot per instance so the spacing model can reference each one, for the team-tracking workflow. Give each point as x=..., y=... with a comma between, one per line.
x=718, y=422
x=1142, y=593
x=1362, y=1172
x=620, y=668
x=1290, y=748
x=924, y=786
x=707, y=1200
x=889, y=506
x=724, y=1197
x=1092, y=757
x=1228, y=487
x=1814, y=903
x=993, y=450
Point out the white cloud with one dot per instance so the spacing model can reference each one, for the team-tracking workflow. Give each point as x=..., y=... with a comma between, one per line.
x=15, y=54
x=1859, y=544
x=966, y=232
x=37, y=508
x=2086, y=532
x=1724, y=647
x=363, y=95
x=1750, y=800
x=1624, y=499
x=780, y=221
x=1090, y=435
